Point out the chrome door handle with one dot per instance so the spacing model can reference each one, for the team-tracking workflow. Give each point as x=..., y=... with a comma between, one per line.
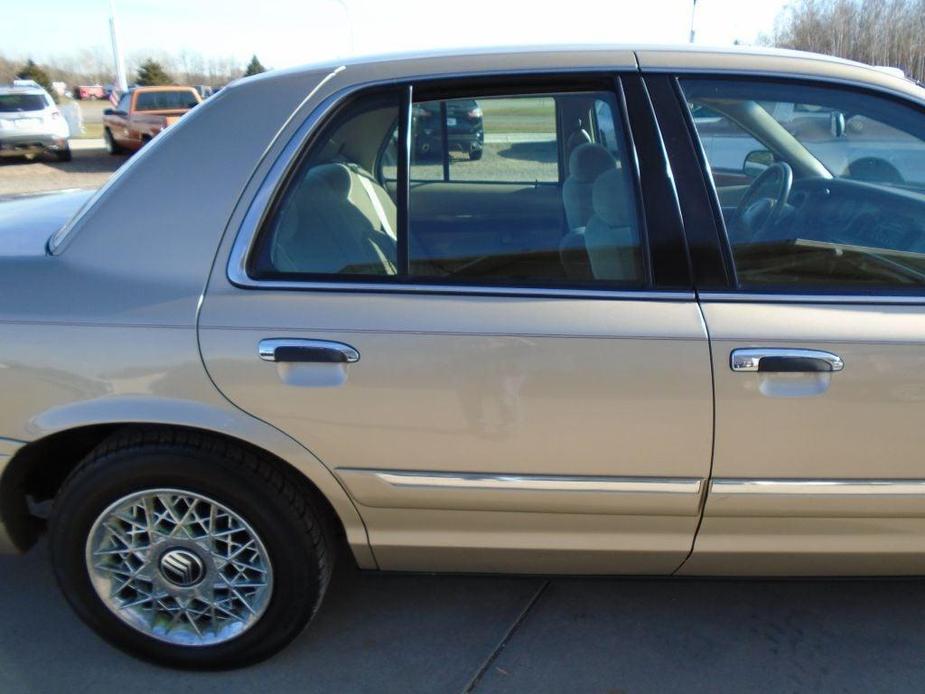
x=280, y=349
x=784, y=360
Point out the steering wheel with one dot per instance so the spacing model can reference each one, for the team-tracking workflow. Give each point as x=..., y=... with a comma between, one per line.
x=757, y=211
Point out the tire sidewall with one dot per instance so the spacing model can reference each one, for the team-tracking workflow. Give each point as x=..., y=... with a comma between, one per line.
x=111, y=145
x=296, y=580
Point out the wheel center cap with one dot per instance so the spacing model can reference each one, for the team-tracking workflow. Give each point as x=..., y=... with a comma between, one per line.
x=181, y=567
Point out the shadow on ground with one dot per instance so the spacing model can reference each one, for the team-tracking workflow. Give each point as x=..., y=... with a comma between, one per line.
x=380, y=633
x=89, y=168
x=542, y=152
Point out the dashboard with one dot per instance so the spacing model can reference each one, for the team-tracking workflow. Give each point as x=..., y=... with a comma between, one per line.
x=849, y=212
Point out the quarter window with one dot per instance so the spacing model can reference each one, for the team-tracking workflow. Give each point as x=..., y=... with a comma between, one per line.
x=502, y=189
x=821, y=187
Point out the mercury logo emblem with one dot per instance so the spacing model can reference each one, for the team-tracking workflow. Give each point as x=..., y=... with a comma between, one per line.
x=182, y=568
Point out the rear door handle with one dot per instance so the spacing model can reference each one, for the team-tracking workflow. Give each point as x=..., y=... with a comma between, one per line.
x=772, y=360
x=280, y=349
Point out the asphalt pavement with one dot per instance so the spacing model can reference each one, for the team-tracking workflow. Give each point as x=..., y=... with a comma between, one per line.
x=422, y=633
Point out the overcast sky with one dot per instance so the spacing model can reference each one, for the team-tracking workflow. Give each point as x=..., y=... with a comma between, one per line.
x=290, y=32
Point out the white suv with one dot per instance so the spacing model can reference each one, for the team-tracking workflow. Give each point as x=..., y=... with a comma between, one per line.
x=30, y=124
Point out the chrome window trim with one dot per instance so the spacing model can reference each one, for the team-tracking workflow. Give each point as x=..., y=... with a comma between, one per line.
x=259, y=206
x=546, y=483
x=797, y=298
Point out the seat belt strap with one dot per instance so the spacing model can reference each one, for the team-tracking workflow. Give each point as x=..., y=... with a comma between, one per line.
x=377, y=204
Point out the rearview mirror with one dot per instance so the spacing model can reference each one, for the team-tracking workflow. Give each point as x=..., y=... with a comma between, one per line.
x=756, y=162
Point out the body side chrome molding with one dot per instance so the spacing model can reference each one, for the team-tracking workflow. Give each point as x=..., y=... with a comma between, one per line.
x=816, y=498
x=555, y=483
x=818, y=487
x=465, y=491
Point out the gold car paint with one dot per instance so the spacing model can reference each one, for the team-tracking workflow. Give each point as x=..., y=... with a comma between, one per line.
x=831, y=481
x=105, y=332
x=505, y=388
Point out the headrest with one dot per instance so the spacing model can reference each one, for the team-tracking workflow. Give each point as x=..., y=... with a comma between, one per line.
x=334, y=177
x=612, y=199
x=588, y=161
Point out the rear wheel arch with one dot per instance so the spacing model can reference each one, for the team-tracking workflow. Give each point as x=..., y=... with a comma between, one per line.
x=37, y=471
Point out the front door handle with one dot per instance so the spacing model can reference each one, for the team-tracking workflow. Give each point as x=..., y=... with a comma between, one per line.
x=784, y=360
x=280, y=349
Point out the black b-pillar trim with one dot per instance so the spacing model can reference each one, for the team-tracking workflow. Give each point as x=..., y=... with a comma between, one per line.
x=664, y=225
x=711, y=261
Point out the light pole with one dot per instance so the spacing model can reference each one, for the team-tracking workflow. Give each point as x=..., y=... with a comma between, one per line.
x=121, y=82
x=693, y=13
x=347, y=16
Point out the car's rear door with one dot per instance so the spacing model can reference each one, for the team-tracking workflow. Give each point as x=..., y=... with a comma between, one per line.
x=818, y=338
x=485, y=411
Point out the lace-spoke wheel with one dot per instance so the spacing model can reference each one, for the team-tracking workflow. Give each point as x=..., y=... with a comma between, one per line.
x=189, y=550
x=179, y=567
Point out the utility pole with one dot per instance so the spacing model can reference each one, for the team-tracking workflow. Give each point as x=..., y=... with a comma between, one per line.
x=349, y=18
x=121, y=82
x=693, y=13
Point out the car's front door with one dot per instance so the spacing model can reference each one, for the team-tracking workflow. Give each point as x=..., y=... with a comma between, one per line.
x=486, y=410
x=819, y=347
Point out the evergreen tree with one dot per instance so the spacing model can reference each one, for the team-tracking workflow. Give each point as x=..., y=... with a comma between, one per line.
x=31, y=71
x=254, y=67
x=151, y=74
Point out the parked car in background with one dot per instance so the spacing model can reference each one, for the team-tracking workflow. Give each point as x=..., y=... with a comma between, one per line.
x=142, y=113
x=89, y=91
x=277, y=338
x=464, y=130
x=31, y=124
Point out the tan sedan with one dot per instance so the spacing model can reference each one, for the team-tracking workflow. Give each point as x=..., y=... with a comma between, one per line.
x=671, y=321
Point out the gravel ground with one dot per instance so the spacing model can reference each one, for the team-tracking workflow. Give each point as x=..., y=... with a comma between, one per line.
x=90, y=168
x=520, y=162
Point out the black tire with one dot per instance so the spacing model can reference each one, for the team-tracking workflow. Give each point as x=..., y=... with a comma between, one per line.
x=64, y=154
x=271, y=499
x=475, y=154
x=111, y=145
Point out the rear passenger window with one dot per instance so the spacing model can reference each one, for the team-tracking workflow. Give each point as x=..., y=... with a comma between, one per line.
x=520, y=189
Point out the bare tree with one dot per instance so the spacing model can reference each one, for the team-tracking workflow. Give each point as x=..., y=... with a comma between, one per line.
x=93, y=65
x=878, y=32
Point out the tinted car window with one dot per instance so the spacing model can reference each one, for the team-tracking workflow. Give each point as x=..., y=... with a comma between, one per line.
x=520, y=132
x=500, y=207
x=335, y=218
x=535, y=198
x=829, y=188
x=21, y=102
x=164, y=101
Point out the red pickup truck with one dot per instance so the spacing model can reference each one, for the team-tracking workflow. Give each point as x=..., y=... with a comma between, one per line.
x=142, y=113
